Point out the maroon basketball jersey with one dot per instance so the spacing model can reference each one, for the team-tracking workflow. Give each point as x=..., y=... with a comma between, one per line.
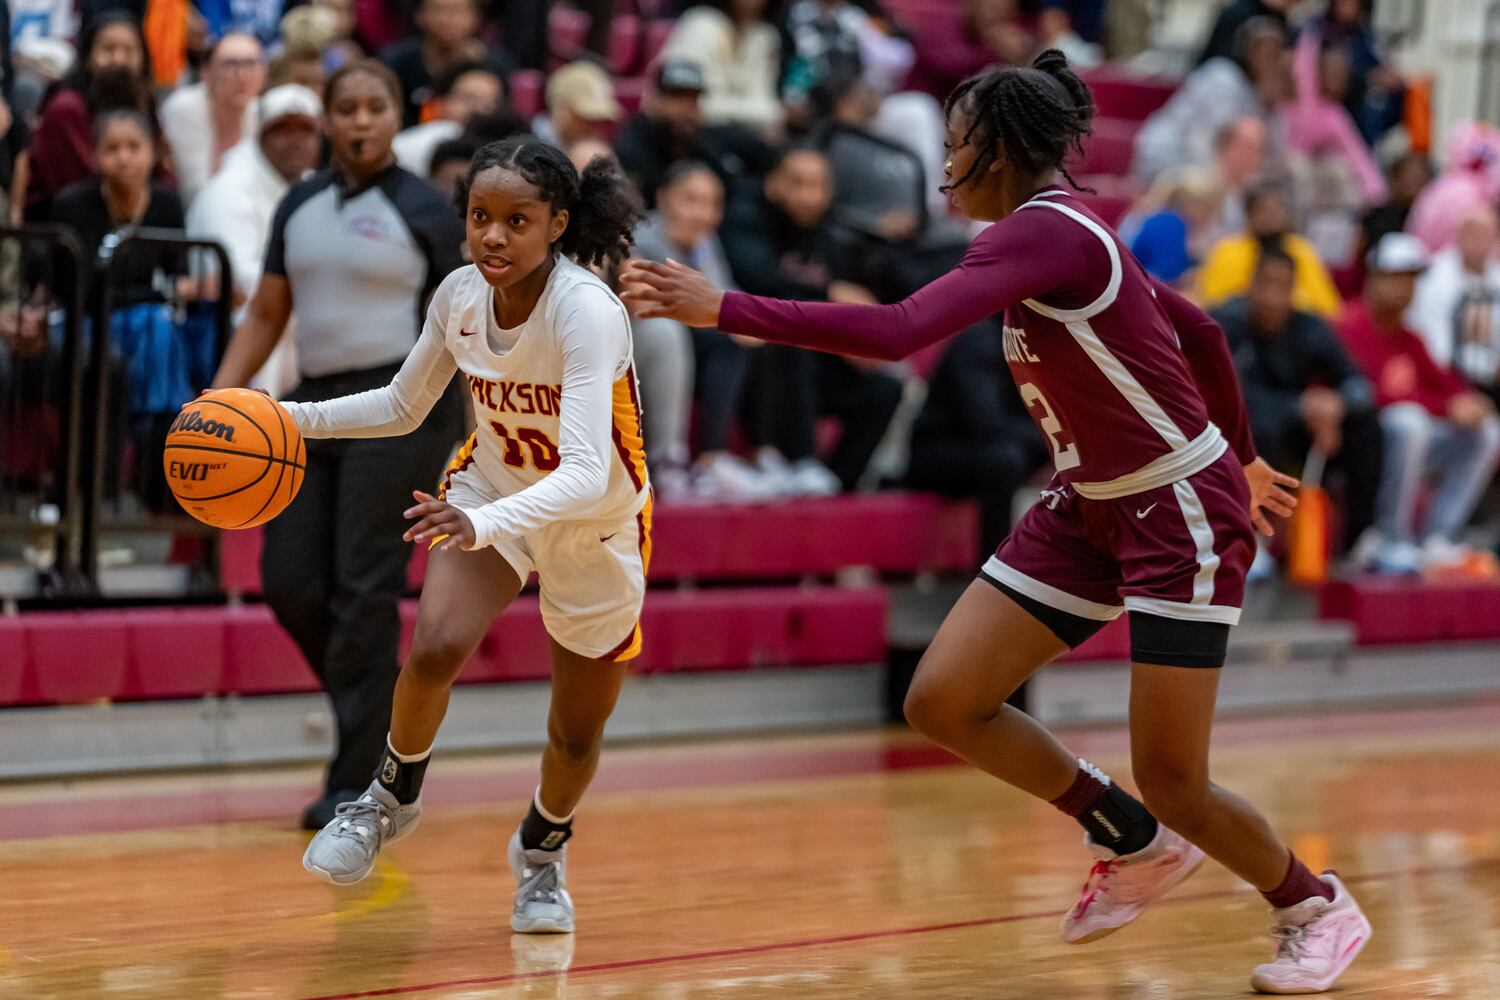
x=1104, y=375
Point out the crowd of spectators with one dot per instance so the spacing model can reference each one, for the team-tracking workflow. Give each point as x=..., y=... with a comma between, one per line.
x=793, y=149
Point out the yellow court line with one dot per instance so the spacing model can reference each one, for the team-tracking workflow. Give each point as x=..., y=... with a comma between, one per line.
x=393, y=882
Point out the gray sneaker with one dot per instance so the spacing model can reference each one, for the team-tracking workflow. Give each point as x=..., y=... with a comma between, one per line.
x=344, y=851
x=543, y=905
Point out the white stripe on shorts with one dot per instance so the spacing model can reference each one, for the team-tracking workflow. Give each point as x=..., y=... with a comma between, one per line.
x=1045, y=593
x=1203, y=537
x=1221, y=613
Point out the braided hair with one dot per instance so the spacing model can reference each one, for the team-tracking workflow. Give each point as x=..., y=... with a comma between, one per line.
x=1038, y=115
x=602, y=205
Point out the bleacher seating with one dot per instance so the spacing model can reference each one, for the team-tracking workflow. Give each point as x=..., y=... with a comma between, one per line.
x=761, y=610
x=1387, y=610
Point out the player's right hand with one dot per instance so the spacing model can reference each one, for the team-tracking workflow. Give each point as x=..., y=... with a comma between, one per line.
x=437, y=519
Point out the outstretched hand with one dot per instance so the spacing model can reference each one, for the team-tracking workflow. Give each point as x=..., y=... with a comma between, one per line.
x=1269, y=491
x=439, y=519
x=670, y=290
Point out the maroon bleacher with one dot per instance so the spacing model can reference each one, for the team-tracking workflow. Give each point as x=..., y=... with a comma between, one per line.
x=1120, y=95
x=67, y=657
x=1108, y=149
x=1388, y=610
x=897, y=533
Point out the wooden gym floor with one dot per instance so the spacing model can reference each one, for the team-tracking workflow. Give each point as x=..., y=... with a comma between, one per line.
x=851, y=865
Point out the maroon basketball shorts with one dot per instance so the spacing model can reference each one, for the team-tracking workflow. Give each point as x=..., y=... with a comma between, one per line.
x=1175, y=557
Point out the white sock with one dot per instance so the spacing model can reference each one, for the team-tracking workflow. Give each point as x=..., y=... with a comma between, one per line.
x=406, y=758
x=537, y=801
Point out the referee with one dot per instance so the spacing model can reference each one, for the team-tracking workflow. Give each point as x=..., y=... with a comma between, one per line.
x=355, y=251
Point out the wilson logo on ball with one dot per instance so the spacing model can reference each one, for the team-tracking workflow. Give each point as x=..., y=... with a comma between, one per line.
x=192, y=420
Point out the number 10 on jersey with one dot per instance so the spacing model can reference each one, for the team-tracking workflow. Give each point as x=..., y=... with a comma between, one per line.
x=543, y=455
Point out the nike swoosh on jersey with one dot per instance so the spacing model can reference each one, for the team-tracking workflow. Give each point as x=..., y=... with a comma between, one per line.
x=466, y=333
x=605, y=538
x=1143, y=513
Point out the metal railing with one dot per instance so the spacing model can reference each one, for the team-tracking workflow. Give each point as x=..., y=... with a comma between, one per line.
x=168, y=319
x=41, y=379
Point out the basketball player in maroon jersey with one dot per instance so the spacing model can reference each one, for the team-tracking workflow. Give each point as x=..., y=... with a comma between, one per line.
x=1151, y=512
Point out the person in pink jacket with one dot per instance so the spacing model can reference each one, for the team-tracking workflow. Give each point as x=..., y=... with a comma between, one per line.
x=1470, y=180
x=1315, y=121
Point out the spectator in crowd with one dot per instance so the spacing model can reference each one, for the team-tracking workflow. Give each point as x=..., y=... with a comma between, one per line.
x=1169, y=239
x=356, y=250
x=1301, y=388
x=949, y=51
x=1268, y=216
x=1222, y=90
x=582, y=152
x=1375, y=92
x=204, y=120
x=1457, y=306
x=464, y=91
x=449, y=162
x=778, y=243
x=111, y=72
x=1055, y=30
x=447, y=35
x=307, y=32
x=1223, y=39
x=581, y=104
x=670, y=129
x=121, y=194
x=1432, y=421
x=738, y=52
x=341, y=46
x=1316, y=122
x=1469, y=181
x=237, y=204
x=1239, y=163
x=1406, y=176
x=14, y=137
x=973, y=436
x=684, y=227
x=823, y=37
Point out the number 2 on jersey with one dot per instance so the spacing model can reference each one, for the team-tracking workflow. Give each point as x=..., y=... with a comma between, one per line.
x=544, y=455
x=1064, y=456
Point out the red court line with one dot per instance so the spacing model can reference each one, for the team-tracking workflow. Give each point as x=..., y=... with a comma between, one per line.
x=896, y=932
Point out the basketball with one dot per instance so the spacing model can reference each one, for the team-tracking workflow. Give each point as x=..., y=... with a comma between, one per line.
x=234, y=458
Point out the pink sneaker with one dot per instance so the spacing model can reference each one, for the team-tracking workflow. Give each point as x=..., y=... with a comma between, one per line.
x=1119, y=887
x=1316, y=940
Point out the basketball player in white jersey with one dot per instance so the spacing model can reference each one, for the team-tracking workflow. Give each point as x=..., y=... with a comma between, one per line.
x=553, y=480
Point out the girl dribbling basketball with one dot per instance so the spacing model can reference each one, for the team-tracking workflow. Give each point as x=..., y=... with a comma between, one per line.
x=553, y=480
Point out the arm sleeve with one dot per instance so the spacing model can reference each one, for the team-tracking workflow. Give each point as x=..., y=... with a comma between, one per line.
x=395, y=409
x=594, y=337
x=1007, y=264
x=1209, y=362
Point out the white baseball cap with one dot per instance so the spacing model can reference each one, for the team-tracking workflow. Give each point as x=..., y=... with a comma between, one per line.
x=290, y=100
x=1398, y=253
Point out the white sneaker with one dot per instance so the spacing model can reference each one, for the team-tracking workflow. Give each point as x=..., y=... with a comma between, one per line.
x=729, y=477
x=811, y=478
x=1119, y=887
x=1438, y=553
x=1316, y=940
x=543, y=905
x=344, y=851
x=672, y=483
x=1399, y=559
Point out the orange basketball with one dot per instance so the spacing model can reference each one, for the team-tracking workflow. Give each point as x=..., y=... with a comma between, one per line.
x=234, y=458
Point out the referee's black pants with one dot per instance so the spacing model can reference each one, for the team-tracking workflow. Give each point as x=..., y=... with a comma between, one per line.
x=334, y=565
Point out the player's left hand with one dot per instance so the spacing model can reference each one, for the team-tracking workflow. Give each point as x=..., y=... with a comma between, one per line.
x=1269, y=491
x=672, y=290
x=438, y=518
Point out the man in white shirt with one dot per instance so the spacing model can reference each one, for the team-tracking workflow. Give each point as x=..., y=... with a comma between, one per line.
x=237, y=205
x=205, y=120
x=1457, y=305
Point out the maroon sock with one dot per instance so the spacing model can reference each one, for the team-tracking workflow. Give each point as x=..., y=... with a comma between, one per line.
x=1300, y=884
x=1086, y=789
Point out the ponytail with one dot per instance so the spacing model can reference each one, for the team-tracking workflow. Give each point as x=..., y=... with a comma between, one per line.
x=602, y=205
x=1036, y=115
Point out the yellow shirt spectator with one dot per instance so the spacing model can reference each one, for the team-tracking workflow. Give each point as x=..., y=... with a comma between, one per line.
x=1227, y=271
